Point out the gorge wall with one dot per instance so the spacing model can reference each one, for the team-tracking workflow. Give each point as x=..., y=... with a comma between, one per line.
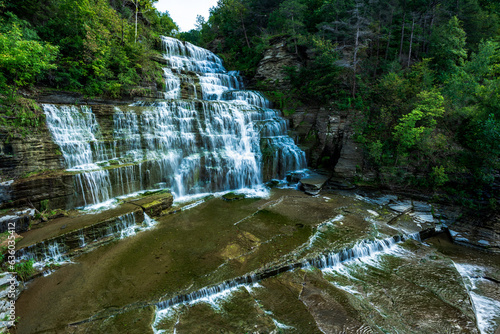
x=326, y=134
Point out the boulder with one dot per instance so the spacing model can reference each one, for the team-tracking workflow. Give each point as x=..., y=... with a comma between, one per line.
x=18, y=221
x=312, y=184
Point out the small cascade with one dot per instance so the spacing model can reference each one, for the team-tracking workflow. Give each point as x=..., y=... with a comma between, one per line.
x=44, y=253
x=206, y=67
x=487, y=310
x=76, y=131
x=81, y=238
x=124, y=227
x=364, y=249
x=221, y=138
x=5, y=191
x=148, y=222
x=214, y=85
x=247, y=96
x=59, y=249
x=172, y=84
x=208, y=293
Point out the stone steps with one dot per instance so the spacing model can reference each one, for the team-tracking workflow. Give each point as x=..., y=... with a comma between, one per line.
x=69, y=230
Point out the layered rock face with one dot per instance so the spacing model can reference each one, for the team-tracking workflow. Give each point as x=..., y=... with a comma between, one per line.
x=328, y=138
x=274, y=60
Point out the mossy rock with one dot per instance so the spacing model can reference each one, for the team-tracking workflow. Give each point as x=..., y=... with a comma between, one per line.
x=229, y=197
x=273, y=184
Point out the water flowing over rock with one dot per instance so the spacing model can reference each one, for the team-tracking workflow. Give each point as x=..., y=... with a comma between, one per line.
x=207, y=135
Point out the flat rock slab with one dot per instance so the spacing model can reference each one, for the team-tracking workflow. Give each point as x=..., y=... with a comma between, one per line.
x=421, y=207
x=313, y=184
x=423, y=217
x=64, y=225
x=153, y=205
x=401, y=207
x=340, y=183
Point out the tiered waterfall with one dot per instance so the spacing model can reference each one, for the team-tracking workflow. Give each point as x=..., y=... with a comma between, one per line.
x=206, y=135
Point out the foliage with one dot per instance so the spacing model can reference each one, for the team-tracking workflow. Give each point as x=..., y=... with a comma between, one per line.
x=105, y=47
x=448, y=45
x=420, y=121
x=423, y=74
x=318, y=81
x=21, y=59
x=24, y=269
x=19, y=115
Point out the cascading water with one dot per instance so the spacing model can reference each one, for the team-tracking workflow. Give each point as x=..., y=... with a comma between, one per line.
x=220, y=142
x=58, y=251
x=364, y=250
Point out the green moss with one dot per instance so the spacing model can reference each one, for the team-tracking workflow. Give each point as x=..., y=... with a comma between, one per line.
x=233, y=197
x=24, y=270
x=36, y=173
x=44, y=205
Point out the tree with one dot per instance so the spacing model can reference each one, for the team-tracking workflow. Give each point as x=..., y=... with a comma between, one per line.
x=448, y=46
x=21, y=60
x=144, y=6
x=291, y=13
x=420, y=121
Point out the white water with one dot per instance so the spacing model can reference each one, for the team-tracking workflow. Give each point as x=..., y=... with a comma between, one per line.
x=44, y=254
x=365, y=249
x=487, y=310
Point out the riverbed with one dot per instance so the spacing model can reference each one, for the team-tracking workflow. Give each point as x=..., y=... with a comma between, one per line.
x=403, y=285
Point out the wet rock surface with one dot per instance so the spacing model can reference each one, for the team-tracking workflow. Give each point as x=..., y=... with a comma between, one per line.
x=482, y=233
x=16, y=220
x=327, y=136
x=62, y=238
x=410, y=288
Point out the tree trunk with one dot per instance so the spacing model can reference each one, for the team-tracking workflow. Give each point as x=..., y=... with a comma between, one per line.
x=411, y=41
x=295, y=37
x=402, y=36
x=378, y=55
x=389, y=36
x=424, y=33
x=388, y=44
x=430, y=30
x=355, y=61
x=378, y=45
x=244, y=30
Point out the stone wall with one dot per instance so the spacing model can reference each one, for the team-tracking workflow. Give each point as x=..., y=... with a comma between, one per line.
x=33, y=153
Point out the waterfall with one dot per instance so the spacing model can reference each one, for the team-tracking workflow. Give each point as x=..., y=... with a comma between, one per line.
x=207, y=135
x=44, y=253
